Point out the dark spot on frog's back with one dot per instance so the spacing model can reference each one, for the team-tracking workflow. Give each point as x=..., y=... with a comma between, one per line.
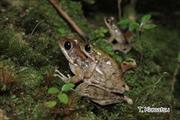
x=114, y=42
x=114, y=73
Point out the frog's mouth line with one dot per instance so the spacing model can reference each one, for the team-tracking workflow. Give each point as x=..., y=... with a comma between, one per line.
x=78, y=83
x=118, y=94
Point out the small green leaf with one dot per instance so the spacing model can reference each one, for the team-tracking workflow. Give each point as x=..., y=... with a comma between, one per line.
x=124, y=23
x=63, y=98
x=178, y=57
x=67, y=87
x=133, y=26
x=149, y=26
x=100, y=32
x=13, y=97
x=51, y=104
x=53, y=90
x=146, y=18
x=62, y=31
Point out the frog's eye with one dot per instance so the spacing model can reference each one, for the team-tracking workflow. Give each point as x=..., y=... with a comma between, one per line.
x=108, y=20
x=88, y=48
x=67, y=45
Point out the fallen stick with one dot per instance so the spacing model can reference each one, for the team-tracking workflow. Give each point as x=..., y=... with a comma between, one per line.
x=56, y=4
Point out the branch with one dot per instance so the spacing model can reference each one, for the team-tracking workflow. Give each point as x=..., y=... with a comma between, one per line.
x=174, y=77
x=119, y=9
x=58, y=7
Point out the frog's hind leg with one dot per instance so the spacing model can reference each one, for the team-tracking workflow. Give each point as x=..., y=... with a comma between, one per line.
x=110, y=40
x=128, y=100
x=115, y=100
x=98, y=95
x=128, y=64
x=105, y=102
x=124, y=48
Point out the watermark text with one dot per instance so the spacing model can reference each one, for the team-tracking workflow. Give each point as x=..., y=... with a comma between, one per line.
x=148, y=109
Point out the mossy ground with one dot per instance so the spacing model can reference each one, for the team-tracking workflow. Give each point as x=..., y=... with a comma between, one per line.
x=29, y=52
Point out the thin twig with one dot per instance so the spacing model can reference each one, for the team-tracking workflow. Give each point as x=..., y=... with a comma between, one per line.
x=174, y=77
x=172, y=90
x=36, y=27
x=119, y=9
x=56, y=4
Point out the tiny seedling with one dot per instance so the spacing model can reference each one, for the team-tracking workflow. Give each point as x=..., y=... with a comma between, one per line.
x=60, y=94
x=135, y=26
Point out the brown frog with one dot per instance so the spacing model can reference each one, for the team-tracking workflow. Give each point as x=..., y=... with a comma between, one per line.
x=117, y=38
x=102, y=77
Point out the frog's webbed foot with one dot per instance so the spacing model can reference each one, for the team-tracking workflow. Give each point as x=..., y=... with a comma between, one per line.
x=128, y=64
x=62, y=76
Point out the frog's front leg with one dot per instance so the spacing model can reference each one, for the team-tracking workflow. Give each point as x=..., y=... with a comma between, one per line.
x=110, y=40
x=62, y=76
x=74, y=79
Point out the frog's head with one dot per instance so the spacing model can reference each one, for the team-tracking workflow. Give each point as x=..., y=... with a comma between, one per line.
x=75, y=51
x=109, y=21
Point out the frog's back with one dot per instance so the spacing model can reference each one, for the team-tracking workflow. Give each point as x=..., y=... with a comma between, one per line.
x=110, y=75
x=107, y=64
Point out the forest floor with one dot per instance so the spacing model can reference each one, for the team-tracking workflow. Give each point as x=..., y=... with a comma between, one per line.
x=29, y=53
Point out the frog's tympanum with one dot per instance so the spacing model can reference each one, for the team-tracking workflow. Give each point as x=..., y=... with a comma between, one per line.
x=102, y=78
x=119, y=41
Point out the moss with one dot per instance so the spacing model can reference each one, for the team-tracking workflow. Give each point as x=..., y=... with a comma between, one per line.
x=29, y=51
x=160, y=46
x=29, y=108
x=18, y=49
x=30, y=78
x=7, y=75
